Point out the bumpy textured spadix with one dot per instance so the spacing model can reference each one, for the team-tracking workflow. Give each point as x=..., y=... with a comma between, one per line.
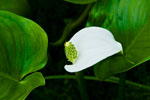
x=93, y=44
x=71, y=52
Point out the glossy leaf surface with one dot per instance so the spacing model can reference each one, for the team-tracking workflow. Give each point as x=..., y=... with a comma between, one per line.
x=23, y=50
x=128, y=20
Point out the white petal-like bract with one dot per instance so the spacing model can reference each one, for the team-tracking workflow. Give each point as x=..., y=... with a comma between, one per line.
x=93, y=45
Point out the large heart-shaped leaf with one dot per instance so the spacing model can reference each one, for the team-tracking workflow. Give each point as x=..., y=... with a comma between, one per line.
x=129, y=21
x=23, y=50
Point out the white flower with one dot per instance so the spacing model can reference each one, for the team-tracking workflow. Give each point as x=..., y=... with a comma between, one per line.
x=93, y=44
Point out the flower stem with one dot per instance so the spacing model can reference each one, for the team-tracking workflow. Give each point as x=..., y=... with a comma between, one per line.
x=111, y=79
x=71, y=25
x=81, y=85
x=122, y=83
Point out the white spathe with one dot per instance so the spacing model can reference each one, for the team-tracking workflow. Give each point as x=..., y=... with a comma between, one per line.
x=93, y=44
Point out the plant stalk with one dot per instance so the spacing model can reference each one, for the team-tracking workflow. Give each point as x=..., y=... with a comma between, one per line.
x=121, y=89
x=111, y=79
x=71, y=25
x=81, y=85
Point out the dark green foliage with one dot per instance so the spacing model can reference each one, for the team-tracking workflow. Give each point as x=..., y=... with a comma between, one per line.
x=50, y=14
x=81, y=1
x=23, y=50
x=129, y=21
x=20, y=7
x=53, y=16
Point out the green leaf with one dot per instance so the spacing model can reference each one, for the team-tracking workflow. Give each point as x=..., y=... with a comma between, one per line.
x=23, y=50
x=81, y=1
x=12, y=89
x=20, y=7
x=129, y=21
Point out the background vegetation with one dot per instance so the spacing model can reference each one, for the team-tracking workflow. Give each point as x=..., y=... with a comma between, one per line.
x=57, y=17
